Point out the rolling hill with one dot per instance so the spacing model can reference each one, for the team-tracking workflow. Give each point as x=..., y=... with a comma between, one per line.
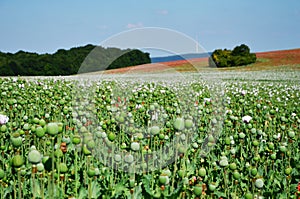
x=273, y=60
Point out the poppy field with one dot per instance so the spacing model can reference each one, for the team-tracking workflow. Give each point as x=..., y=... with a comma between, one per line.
x=175, y=137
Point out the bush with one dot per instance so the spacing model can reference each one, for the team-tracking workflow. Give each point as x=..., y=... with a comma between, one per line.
x=239, y=56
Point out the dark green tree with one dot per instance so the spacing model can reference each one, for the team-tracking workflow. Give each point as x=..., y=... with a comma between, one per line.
x=67, y=62
x=239, y=56
x=131, y=58
x=242, y=50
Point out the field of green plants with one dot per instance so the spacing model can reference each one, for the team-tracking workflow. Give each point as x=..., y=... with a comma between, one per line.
x=172, y=137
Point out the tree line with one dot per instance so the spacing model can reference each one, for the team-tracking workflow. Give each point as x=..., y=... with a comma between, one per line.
x=87, y=58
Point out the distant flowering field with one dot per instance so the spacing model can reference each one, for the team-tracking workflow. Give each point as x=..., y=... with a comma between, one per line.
x=234, y=136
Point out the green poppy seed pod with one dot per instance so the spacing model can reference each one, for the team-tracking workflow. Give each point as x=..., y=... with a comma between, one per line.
x=164, y=179
x=291, y=134
x=288, y=171
x=232, y=151
x=33, y=128
x=188, y=123
x=161, y=136
x=223, y=162
x=26, y=127
x=181, y=173
x=255, y=143
x=36, y=120
x=3, y=128
x=16, y=139
x=195, y=145
x=111, y=136
x=34, y=156
x=165, y=116
x=166, y=172
x=242, y=135
x=253, y=171
x=42, y=122
x=91, y=172
x=179, y=124
x=210, y=144
x=151, y=107
x=97, y=171
x=271, y=145
x=118, y=158
x=121, y=119
x=154, y=130
x=273, y=156
x=202, y=172
x=167, y=137
x=227, y=141
x=52, y=128
x=40, y=132
x=282, y=148
x=259, y=183
x=76, y=139
x=40, y=167
x=45, y=159
x=212, y=186
x=60, y=127
x=198, y=190
x=140, y=136
x=17, y=161
x=47, y=115
x=253, y=131
x=232, y=166
x=135, y=146
x=66, y=139
x=259, y=132
x=128, y=158
x=58, y=153
x=236, y=175
x=63, y=168
x=211, y=139
x=21, y=132
x=23, y=170
x=248, y=196
x=282, y=127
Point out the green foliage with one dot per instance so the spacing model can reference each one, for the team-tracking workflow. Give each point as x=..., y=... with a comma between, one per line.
x=131, y=58
x=68, y=62
x=239, y=56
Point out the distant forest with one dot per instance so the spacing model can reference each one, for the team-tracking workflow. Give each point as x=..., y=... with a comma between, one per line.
x=88, y=58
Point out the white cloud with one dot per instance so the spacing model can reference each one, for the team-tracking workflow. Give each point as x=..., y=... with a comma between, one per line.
x=135, y=25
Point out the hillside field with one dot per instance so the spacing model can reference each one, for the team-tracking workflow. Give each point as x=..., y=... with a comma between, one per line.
x=273, y=60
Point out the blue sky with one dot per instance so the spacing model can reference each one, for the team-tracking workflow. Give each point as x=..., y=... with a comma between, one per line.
x=45, y=26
